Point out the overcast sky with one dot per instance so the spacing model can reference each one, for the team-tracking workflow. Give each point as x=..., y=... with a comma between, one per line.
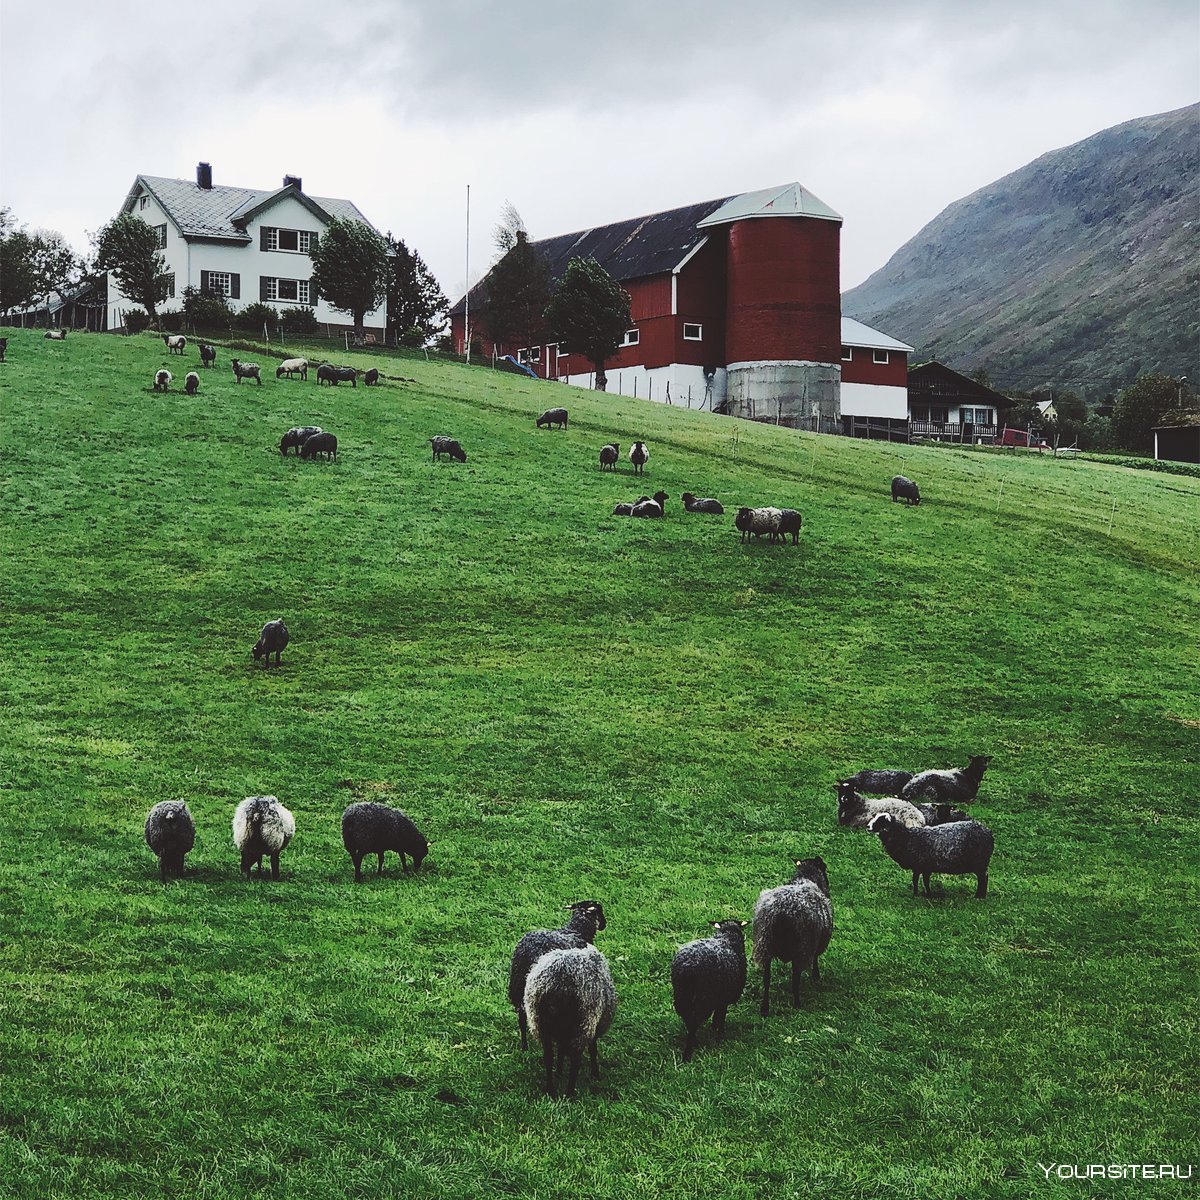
x=578, y=113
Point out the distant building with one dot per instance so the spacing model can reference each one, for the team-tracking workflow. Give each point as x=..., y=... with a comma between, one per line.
x=874, y=383
x=1177, y=443
x=946, y=406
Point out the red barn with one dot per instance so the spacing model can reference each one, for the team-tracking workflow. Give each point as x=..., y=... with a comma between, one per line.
x=735, y=305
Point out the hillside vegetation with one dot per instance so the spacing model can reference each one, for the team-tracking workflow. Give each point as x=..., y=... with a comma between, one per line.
x=572, y=706
x=1078, y=270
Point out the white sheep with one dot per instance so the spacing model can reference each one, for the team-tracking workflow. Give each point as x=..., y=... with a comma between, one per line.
x=175, y=343
x=292, y=366
x=162, y=380
x=261, y=825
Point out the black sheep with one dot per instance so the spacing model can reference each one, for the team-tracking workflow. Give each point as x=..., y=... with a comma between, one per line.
x=904, y=489
x=609, y=455
x=371, y=378
x=369, y=828
x=553, y=416
x=707, y=976
x=447, y=445
x=297, y=436
x=170, y=833
x=706, y=505
x=319, y=443
x=208, y=354
x=273, y=640
x=958, y=786
x=957, y=848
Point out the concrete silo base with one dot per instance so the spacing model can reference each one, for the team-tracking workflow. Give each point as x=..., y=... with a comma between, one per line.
x=806, y=395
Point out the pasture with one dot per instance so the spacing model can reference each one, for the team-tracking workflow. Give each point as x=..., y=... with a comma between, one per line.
x=573, y=706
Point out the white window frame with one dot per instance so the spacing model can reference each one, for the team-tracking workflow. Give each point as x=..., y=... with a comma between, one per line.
x=161, y=230
x=632, y=337
x=847, y=354
x=559, y=352
x=142, y=202
x=221, y=283
x=875, y=357
x=303, y=240
x=303, y=290
x=170, y=285
x=698, y=336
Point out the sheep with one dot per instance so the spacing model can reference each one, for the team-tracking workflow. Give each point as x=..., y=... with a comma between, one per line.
x=208, y=354
x=273, y=640
x=327, y=373
x=553, y=416
x=55, y=335
x=570, y=1001
x=904, y=487
x=346, y=375
x=626, y=510
x=959, y=786
x=941, y=814
x=609, y=455
x=162, y=380
x=369, y=828
x=319, y=443
x=652, y=508
x=878, y=783
x=371, y=378
x=261, y=825
x=3, y=348
x=707, y=976
x=708, y=505
x=243, y=370
x=794, y=924
x=191, y=383
x=175, y=343
x=170, y=833
x=447, y=445
x=292, y=366
x=789, y=522
x=639, y=456
x=586, y=919
x=757, y=521
x=855, y=810
x=958, y=848
x=297, y=436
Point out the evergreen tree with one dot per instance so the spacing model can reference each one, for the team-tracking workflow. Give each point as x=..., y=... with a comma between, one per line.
x=351, y=269
x=128, y=249
x=417, y=307
x=589, y=314
x=517, y=291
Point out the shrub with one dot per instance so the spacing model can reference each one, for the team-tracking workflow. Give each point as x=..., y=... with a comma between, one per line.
x=299, y=321
x=413, y=338
x=137, y=319
x=205, y=310
x=254, y=316
x=171, y=319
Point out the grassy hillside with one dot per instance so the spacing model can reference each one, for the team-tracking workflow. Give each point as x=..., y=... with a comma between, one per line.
x=572, y=706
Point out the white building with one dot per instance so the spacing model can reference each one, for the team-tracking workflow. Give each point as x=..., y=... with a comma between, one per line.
x=244, y=244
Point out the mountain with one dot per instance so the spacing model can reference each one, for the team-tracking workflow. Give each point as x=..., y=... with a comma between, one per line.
x=1078, y=270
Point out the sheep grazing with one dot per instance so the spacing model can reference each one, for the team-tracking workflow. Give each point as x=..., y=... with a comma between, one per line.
x=327, y=373
x=626, y=510
x=609, y=455
x=570, y=1001
x=162, y=380
x=297, y=436
x=707, y=976
x=319, y=443
x=262, y=826
x=586, y=919
x=959, y=786
x=369, y=828
x=175, y=343
x=243, y=370
x=958, y=848
x=639, y=456
x=789, y=523
x=879, y=783
x=170, y=833
x=757, y=521
x=856, y=811
x=708, y=505
x=371, y=378
x=191, y=383
x=447, y=445
x=273, y=640
x=553, y=416
x=208, y=354
x=292, y=366
x=904, y=489
x=55, y=335
x=346, y=375
x=794, y=924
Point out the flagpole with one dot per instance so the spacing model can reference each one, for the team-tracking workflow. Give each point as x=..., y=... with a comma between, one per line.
x=467, y=316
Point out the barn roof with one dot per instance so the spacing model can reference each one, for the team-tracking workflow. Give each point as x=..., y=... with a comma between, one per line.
x=855, y=333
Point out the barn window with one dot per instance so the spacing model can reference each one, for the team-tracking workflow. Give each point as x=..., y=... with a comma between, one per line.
x=536, y=354
x=693, y=333
x=632, y=337
x=879, y=356
x=847, y=354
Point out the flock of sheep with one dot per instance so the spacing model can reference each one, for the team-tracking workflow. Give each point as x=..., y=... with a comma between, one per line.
x=176, y=343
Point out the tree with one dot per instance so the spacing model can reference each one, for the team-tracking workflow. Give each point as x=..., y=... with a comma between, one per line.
x=351, y=269
x=128, y=249
x=589, y=314
x=517, y=292
x=507, y=229
x=33, y=264
x=1149, y=401
x=417, y=307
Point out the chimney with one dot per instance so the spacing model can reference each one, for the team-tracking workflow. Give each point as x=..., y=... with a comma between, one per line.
x=288, y=180
x=204, y=176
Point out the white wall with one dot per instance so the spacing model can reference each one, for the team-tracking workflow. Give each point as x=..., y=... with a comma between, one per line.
x=874, y=400
x=652, y=383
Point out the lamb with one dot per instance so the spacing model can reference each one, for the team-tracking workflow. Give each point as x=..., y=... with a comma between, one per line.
x=292, y=366
x=652, y=508
x=626, y=510
x=553, y=416
x=170, y=833
x=878, y=783
x=708, y=505
x=447, y=445
x=191, y=383
x=903, y=487
x=856, y=811
x=319, y=443
x=790, y=522
x=959, y=848
x=570, y=1000
x=243, y=370
x=959, y=786
x=261, y=825
x=273, y=640
x=794, y=924
x=174, y=343
x=586, y=919
x=707, y=976
x=609, y=455
x=639, y=456
x=208, y=354
x=371, y=378
x=369, y=828
x=758, y=521
x=297, y=436
x=55, y=335
x=162, y=380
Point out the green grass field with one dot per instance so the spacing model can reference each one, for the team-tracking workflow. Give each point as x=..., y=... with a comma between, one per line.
x=573, y=706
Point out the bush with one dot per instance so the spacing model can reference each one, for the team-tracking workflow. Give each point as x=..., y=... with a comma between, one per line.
x=413, y=338
x=205, y=310
x=254, y=316
x=137, y=319
x=171, y=320
x=299, y=321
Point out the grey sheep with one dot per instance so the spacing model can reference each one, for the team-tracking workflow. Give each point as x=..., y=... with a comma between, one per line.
x=789, y=523
x=570, y=1000
x=346, y=375
x=208, y=354
x=191, y=383
x=959, y=848
x=794, y=924
x=940, y=814
x=371, y=378
x=957, y=786
x=327, y=373
x=639, y=456
x=707, y=976
x=262, y=826
x=878, y=783
x=170, y=833
x=651, y=509
x=553, y=416
x=447, y=445
x=757, y=521
x=175, y=343
x=273, y=640
x=706, y=505
x=297, y=436
x=319, y=443
x=904, y=489
x=162, y=380
x=856, y=811
x=369, y=828
x=243, y=370
x=609, y=456
x=586, y=919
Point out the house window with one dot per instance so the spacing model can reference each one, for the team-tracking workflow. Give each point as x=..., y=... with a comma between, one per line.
x=632, y=337
x=143, y=201
x=693, y=333
x=218, y=283
x=294, y=290
x=161, y=230
x=296, y=241
x=879, y=356
x=977, y=416
x=170, y=278
x=847, y=354
x=935, y=413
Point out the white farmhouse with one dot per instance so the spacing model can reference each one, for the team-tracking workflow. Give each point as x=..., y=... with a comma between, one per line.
x=245, y=244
